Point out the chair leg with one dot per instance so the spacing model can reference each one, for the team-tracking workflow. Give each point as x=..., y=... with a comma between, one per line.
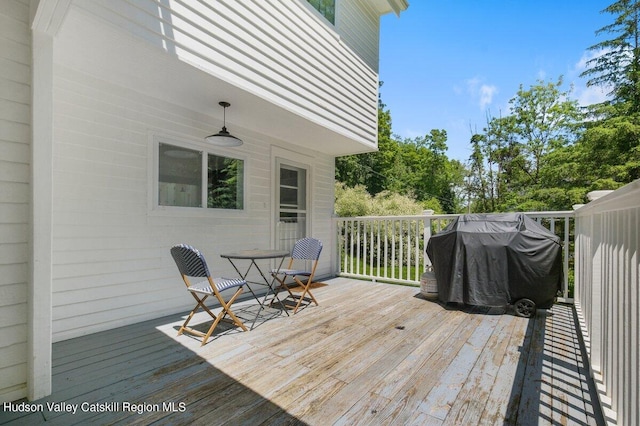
x=226, y=309
x=199, y=304
x=282, y=284
x=304, y=292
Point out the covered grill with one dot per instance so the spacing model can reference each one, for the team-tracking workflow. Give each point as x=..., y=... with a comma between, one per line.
x=497, y=260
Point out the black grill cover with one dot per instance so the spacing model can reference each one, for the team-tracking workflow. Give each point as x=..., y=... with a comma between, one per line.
x=496, y=259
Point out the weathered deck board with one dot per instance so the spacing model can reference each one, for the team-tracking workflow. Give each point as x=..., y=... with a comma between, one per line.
x=369, y=354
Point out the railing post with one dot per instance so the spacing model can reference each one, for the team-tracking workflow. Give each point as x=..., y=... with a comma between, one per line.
x=335, y=259
x=427, y=235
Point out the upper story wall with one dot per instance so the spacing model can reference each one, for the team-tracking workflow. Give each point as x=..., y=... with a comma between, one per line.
x=358, y=25
x=281, y=51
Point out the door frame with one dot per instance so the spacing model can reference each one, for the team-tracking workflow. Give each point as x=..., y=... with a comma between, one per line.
x=280, y=157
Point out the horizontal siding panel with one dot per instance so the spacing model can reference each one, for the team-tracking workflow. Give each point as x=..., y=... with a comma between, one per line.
x=13, y=253
x=13, y=376
x=81, y=256
x=350, y=84
x=161, y=277
x=14, y=192
x=14, y=72
x=358, y=25
x=15, y=111
x=97, y=268
x=260, y=43
x=83, y=302
x=13, y=335
x=13, y=233
x=13, y=353
x=14, y=172
x=13, y=29
x=17, y=10
x=11, y=294
x=266, y=50
x=16, y=152
x=15, y=273
x=14, y=91
x=13, y=314
x=11, y=356
x=17, y=51
x=14, y=132
x=115, y=317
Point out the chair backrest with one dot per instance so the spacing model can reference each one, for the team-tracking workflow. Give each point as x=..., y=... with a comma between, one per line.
x=190, y=261
x=307, y=249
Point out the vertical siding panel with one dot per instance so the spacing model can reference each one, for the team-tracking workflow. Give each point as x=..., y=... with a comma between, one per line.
x=15, y=111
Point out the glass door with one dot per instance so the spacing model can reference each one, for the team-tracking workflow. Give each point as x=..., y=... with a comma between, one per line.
x=292, y=205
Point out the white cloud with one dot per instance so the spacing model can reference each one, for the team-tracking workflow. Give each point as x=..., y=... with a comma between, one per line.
x=588, y=55
x=486, y=95
x=542, y=75
x=412, y=134
x=480, y=92
x=592, y=95
x=589, y=95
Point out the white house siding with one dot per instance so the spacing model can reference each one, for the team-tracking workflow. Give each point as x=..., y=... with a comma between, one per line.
x=111, y=262
x=278, y=50
x=359, y=26
x=15, y=112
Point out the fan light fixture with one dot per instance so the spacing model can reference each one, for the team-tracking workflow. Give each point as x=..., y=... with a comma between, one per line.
x=223, y=137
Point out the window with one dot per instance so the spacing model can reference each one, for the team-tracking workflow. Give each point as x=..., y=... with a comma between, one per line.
x=224, y=182
x=326, y=7
x=182, y=181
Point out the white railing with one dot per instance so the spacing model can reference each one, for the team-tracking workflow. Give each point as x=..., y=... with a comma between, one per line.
x=607, y=298
x=393, y=248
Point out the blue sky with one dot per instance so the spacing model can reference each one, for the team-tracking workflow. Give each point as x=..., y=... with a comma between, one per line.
x=447, y=64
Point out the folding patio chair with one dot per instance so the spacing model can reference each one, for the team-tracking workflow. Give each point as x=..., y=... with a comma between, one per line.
x=306, y=252
x=191, y=263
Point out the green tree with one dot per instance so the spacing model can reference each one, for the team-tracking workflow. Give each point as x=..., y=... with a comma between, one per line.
x=610, y=152
x=356, y=201
x=510, y=160
x=546, y=118
x=417, y=168
x=617, y=63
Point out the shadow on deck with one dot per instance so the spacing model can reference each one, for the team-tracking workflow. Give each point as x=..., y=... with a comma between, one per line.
x=370, y=354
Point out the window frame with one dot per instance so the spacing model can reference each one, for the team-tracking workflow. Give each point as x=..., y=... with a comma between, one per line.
x=205, y=149
x=322, y=15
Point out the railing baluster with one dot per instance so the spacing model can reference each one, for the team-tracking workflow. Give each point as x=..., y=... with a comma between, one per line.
x=400, y=248
x=365, y=248
x=416, y=275
x=378, y=247
x=353, y=232
x=567, y=231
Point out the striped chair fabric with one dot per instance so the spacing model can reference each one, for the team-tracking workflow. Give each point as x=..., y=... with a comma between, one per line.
x=191, y=263
x=305, y=249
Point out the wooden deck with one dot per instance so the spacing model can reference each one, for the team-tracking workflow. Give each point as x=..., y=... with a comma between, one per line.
x=370, y=354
